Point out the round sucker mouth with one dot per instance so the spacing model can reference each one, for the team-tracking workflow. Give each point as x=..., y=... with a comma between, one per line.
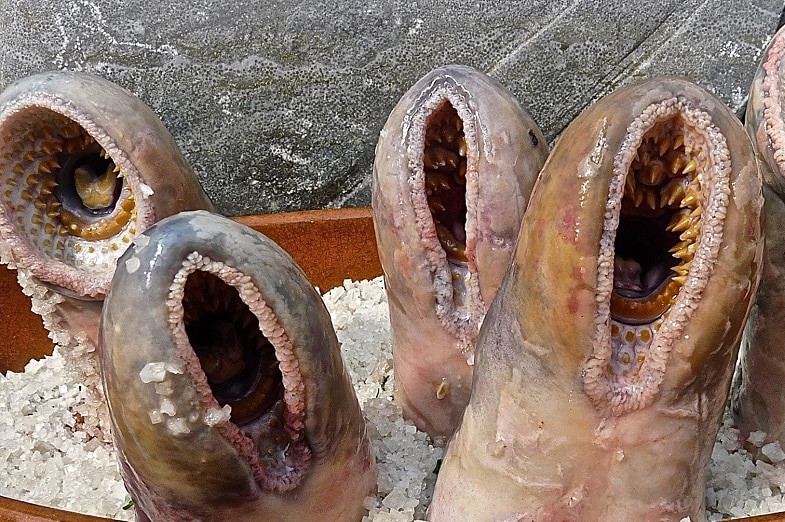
x=444, y=162
x=63, y=192
x=236, y=357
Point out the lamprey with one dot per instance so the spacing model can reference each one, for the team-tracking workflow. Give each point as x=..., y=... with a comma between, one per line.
x=454, y=167
x=84, y=167
x=604, y=363
x=757, y=399
x=228, y=395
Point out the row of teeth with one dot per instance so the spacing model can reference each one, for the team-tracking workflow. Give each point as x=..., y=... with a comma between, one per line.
x=34, y=158
x=667, y=180
x=444, y=162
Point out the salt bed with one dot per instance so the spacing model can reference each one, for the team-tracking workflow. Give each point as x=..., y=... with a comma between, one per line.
x=45, y=460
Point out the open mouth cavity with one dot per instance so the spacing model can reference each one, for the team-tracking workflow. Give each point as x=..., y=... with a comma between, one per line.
x=238, y=361
x=221, y=327
x=670, y=180
x=62, y=192
x=444, y=164
x=659, y=224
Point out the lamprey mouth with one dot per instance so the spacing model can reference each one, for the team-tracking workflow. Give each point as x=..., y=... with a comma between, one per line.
x=444, y=162
x=670, y=174
x=238, y=360
x=63, y=192
x=240, y=365
x=659, y=223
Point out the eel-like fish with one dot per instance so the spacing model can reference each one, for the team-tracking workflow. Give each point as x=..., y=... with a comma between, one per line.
x=228, y=395
x=757, y=399
x=454, y=167
x=604, y=363
x=84, y=167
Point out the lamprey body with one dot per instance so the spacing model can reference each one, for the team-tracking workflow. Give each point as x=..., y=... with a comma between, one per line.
x=758, y=400
x=454, y=167
x=604, y=363
x=228, y=395
x=84, y=167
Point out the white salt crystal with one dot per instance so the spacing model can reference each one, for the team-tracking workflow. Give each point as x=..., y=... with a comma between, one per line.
x=756, y=438
x=153, y=372
x=46, y=460
x=177, y=426
x=774, y=452
x=216, y=416
x=168, y=407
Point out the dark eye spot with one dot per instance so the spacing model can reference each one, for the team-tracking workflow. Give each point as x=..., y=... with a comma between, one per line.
x=535, y=141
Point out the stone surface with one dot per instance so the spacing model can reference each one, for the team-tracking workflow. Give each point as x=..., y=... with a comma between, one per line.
x=278, y=105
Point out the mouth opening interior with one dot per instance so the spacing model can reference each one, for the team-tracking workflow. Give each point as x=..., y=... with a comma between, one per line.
x=237, y=359
x=63, y=192
x=659, y=226
x=444, y=162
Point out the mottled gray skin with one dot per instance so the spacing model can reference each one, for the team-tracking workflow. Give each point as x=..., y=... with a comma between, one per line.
x=532, y=444
x=432, y=337
x=758, y=401
x=209, y=474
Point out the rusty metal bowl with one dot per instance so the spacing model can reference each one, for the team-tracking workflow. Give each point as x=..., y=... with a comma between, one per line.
x=330, y=246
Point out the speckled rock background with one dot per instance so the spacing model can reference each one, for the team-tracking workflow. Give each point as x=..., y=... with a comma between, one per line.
x=278, y=105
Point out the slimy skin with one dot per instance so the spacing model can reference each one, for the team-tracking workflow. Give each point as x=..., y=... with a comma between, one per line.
x=757, y=399
x=591, y=401
x=228, y=395
x=454, y=167
x=84, y=167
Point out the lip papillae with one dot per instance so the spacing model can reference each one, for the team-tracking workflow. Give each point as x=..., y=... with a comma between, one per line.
x=228, y=394
x=454, y=167
x=612, y=414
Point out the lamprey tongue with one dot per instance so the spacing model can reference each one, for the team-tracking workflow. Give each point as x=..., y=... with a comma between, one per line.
x=228, y=394
x=454, y=167
x=644, y=232
x=85, y=166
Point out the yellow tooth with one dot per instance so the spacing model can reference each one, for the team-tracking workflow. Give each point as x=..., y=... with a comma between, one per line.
x=682, y=268
x=691, y=167
x=36, y=219
x=638, y=199
x=680, y=245
x=691, y=199
x=653, y=175
x=26, y=195
x=696, y=212
x=675, y=162
x=30, y=156
x=679, y=223
x=664, y=145
x=19, y=169
x=651, y=199
x=52, y=147
x=672, y=193
x=629, y=185
x=680, y=279
x=12, y=182
x=462, y=146
x=690, y=233
x=31, y=180
x=678, y=141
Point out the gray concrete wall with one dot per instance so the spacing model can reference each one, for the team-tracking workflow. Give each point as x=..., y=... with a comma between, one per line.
x=278, y=105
